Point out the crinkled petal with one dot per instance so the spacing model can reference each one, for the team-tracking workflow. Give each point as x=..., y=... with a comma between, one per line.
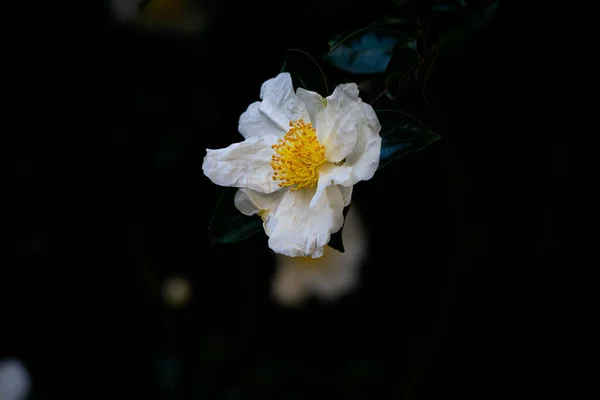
x=254, y=122
x=249, y=202
x=339, y=122
x=330, y=174
x=315, y=104
x=364, y=159
x=301, y=231
x=243, y=165
x=278, y=107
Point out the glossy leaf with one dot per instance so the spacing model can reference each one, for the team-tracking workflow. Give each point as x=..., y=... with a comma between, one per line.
x=228, y=225
x=368, y=50
x=368, y=54
x=305, y=71
x=401, y=133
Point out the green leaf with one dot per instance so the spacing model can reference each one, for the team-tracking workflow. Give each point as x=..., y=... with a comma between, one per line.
x=335, y=242
x=401, y=133
x=305, y=71
x=368, y=50
x=228, y=225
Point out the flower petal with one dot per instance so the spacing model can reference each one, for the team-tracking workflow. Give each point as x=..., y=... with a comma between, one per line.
x=243, y=165
x=338, y=124
x=254, y=122
x=278, y=107
x=301, y=231
x=330, y=174
x=328, y=277
x=315, y=103
x=346, y=192
x=364, y=159
x=249, y=202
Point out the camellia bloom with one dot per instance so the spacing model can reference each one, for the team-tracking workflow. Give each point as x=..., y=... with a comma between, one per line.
x=326, y=278
x=301, y=156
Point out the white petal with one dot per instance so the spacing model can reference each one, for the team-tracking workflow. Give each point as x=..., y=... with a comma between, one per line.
x=330, y=174
x=364, y=159
x=300, y=231
x=254, y=122
x=278, y=107
x=346, y=194
x=338, y=124
x=328, y=277
x=249, y=202
x=315, y=103
x=243, y=165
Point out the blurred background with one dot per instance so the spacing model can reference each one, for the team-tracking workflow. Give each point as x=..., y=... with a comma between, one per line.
x=109, y=283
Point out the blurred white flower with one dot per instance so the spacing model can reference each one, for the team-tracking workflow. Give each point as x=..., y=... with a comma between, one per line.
x=328, y=277
x=177, y=16
x=176, y=291
x=15, y=383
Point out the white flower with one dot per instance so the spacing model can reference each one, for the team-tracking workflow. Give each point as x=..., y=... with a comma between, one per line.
x=301, y=156
x=15, y=382
x=328, y=277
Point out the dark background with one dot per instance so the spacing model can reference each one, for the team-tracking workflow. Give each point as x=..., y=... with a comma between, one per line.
x=454, y=301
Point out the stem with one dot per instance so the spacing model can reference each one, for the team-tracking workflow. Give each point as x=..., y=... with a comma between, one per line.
x=378, y=96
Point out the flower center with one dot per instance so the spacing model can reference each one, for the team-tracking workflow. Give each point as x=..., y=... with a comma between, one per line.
x=297, y=156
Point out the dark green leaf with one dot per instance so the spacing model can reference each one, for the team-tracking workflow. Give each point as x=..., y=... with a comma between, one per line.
x=228, y=225
x=368, y=50
x=401, y=133
x=335, y=242
x=305, y=71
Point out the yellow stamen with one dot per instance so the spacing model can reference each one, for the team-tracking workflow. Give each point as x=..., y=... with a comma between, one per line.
x=297, y=157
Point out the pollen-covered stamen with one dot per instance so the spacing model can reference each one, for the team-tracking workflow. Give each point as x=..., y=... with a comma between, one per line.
x=297, y=156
